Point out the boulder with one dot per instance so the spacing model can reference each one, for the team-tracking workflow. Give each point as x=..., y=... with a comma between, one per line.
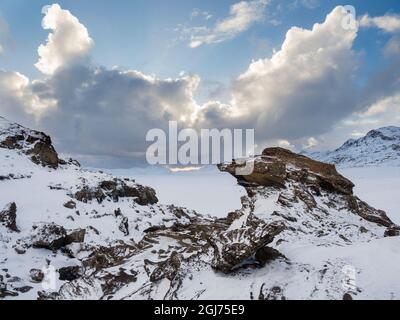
x=8, y=217
x=76, y=236
x=234, y=247
x=266, y=254
x=124, y=226
x=70, y=273
x=53, y=236
x=70, y=205
x=36, y=275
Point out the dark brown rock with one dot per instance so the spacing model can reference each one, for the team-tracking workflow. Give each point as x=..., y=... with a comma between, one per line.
x=117, y=189
x=271, y=294
x=36, y=275
x=168, y=268
x=271, y=169
x=124, y=226
x=70, y=273
x=105, y=257
x=235, y=246
x=266, y=254
x=392, y=231
x=33, y=143
x=347, y=297
x=278, y=168
x=4, y=291
x=76, y=236
x=8, y=217
x=114, y=282
x=53, y=236
x=368, y=213
x=24, y=289
x=44, y=153
x=70, y=205
x=49, y=236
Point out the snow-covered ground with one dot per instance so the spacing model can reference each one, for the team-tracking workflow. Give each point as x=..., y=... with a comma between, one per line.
x=329, y=239
x=208, y=191
x=378, y=186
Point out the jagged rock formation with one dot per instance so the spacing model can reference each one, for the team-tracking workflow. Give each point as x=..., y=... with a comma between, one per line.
x=379, y=147
x=111, y=239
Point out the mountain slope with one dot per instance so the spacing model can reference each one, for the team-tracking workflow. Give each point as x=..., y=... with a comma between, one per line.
x=379, y=147
x=70, y=233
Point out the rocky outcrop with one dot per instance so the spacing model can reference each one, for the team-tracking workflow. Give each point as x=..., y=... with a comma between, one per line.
x=8, y=217
x=167, y=269
x=233, y=247
x=115, y=190
x=305, y=179
x=37, y=145
x=102, y=257
x=276, y=167
x=392, y=231
x=53, y=236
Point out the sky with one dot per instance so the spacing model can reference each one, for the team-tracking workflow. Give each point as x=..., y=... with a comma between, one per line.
x=98, y=75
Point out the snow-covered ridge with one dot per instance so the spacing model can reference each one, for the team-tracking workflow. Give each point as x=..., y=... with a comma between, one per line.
x=380, y=147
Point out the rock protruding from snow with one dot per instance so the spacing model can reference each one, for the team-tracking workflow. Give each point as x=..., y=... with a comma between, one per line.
x=36, y=145
x=235, y=246
x=8, y=217
x=116, y=189
x=380, y=147
x=53, y=236
x=297, y=179
x=276, y=166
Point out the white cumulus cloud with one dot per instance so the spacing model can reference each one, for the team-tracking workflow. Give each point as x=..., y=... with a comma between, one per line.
x=68, y=42
x=88, y=109
x=301, y=90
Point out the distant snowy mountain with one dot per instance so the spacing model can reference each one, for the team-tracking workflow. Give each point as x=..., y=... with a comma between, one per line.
x=380, y=147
